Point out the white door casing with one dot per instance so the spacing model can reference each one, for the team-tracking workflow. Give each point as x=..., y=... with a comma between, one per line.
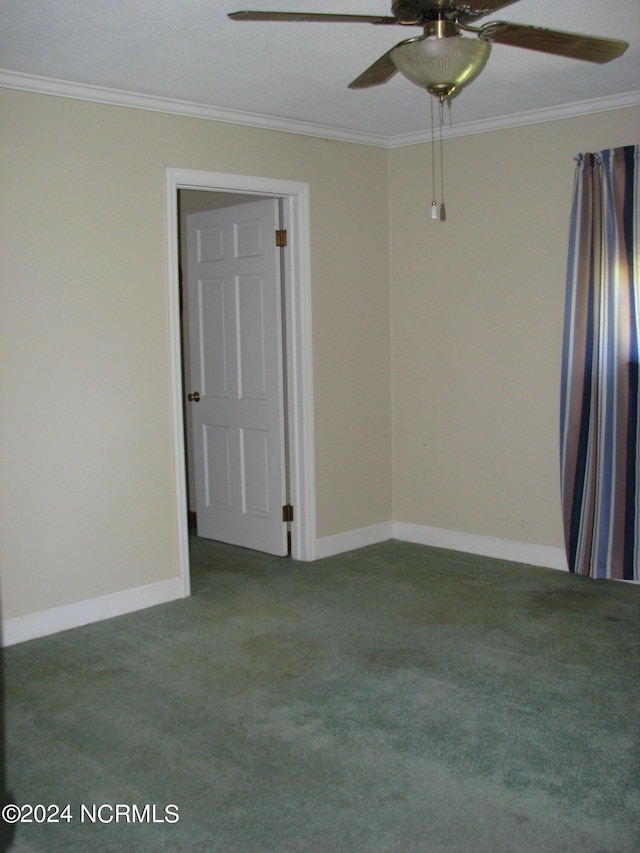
x=236, y=370
x=294, y=197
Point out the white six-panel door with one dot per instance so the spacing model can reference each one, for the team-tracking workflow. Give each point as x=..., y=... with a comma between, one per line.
x=235, y=342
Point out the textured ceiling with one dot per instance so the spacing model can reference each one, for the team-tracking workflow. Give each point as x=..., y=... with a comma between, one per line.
x=188, y=50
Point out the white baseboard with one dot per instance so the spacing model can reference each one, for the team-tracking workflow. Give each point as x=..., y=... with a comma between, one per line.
x=21, y=628
x=471, y=543
x=487, y=546
x=329, y=546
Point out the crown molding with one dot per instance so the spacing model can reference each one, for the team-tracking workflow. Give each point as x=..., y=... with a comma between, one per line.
x=191, y=109
x=563, y=111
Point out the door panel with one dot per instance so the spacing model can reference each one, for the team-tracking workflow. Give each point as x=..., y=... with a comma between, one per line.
x=217, y=466
x=252, y=350
x=211, y=332
x=235, y=340
x=255, y=459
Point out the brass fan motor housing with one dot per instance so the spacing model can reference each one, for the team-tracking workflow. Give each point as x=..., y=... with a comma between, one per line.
x=418, y=11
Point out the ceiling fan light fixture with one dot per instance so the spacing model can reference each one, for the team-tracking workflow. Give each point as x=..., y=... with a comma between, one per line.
x=441, y=60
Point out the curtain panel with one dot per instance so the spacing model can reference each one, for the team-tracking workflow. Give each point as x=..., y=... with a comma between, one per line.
x=600, y=403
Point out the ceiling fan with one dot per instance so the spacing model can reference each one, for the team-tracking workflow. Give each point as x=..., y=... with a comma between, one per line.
x=442, y=60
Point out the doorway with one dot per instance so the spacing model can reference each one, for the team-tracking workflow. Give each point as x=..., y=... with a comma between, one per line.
x=294, y=204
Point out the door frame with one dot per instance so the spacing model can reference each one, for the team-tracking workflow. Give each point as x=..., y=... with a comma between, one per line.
x=297, y=293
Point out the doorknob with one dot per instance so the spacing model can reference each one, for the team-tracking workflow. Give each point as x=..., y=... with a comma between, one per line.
x=194, y=398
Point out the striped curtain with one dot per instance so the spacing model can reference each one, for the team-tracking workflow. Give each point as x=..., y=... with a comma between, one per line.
x=600, y=400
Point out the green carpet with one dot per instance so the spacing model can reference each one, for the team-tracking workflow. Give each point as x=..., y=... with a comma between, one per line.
x=396, y=698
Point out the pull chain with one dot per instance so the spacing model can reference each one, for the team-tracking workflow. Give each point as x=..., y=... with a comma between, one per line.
x=438, y=211
x=443, y=213
x=434, y=203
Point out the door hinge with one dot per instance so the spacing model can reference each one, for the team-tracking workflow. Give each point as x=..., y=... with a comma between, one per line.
x=281, y=238
x=287, y=513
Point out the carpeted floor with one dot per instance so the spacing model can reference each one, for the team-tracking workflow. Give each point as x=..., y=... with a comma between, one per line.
x=396, y=698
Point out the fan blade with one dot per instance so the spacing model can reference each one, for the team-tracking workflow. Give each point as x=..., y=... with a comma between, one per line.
x=311, y=17
x=573, y=45
x=382, y=70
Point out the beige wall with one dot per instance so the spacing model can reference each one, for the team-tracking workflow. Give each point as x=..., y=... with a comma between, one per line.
x=87, y=492
x=477, y=312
